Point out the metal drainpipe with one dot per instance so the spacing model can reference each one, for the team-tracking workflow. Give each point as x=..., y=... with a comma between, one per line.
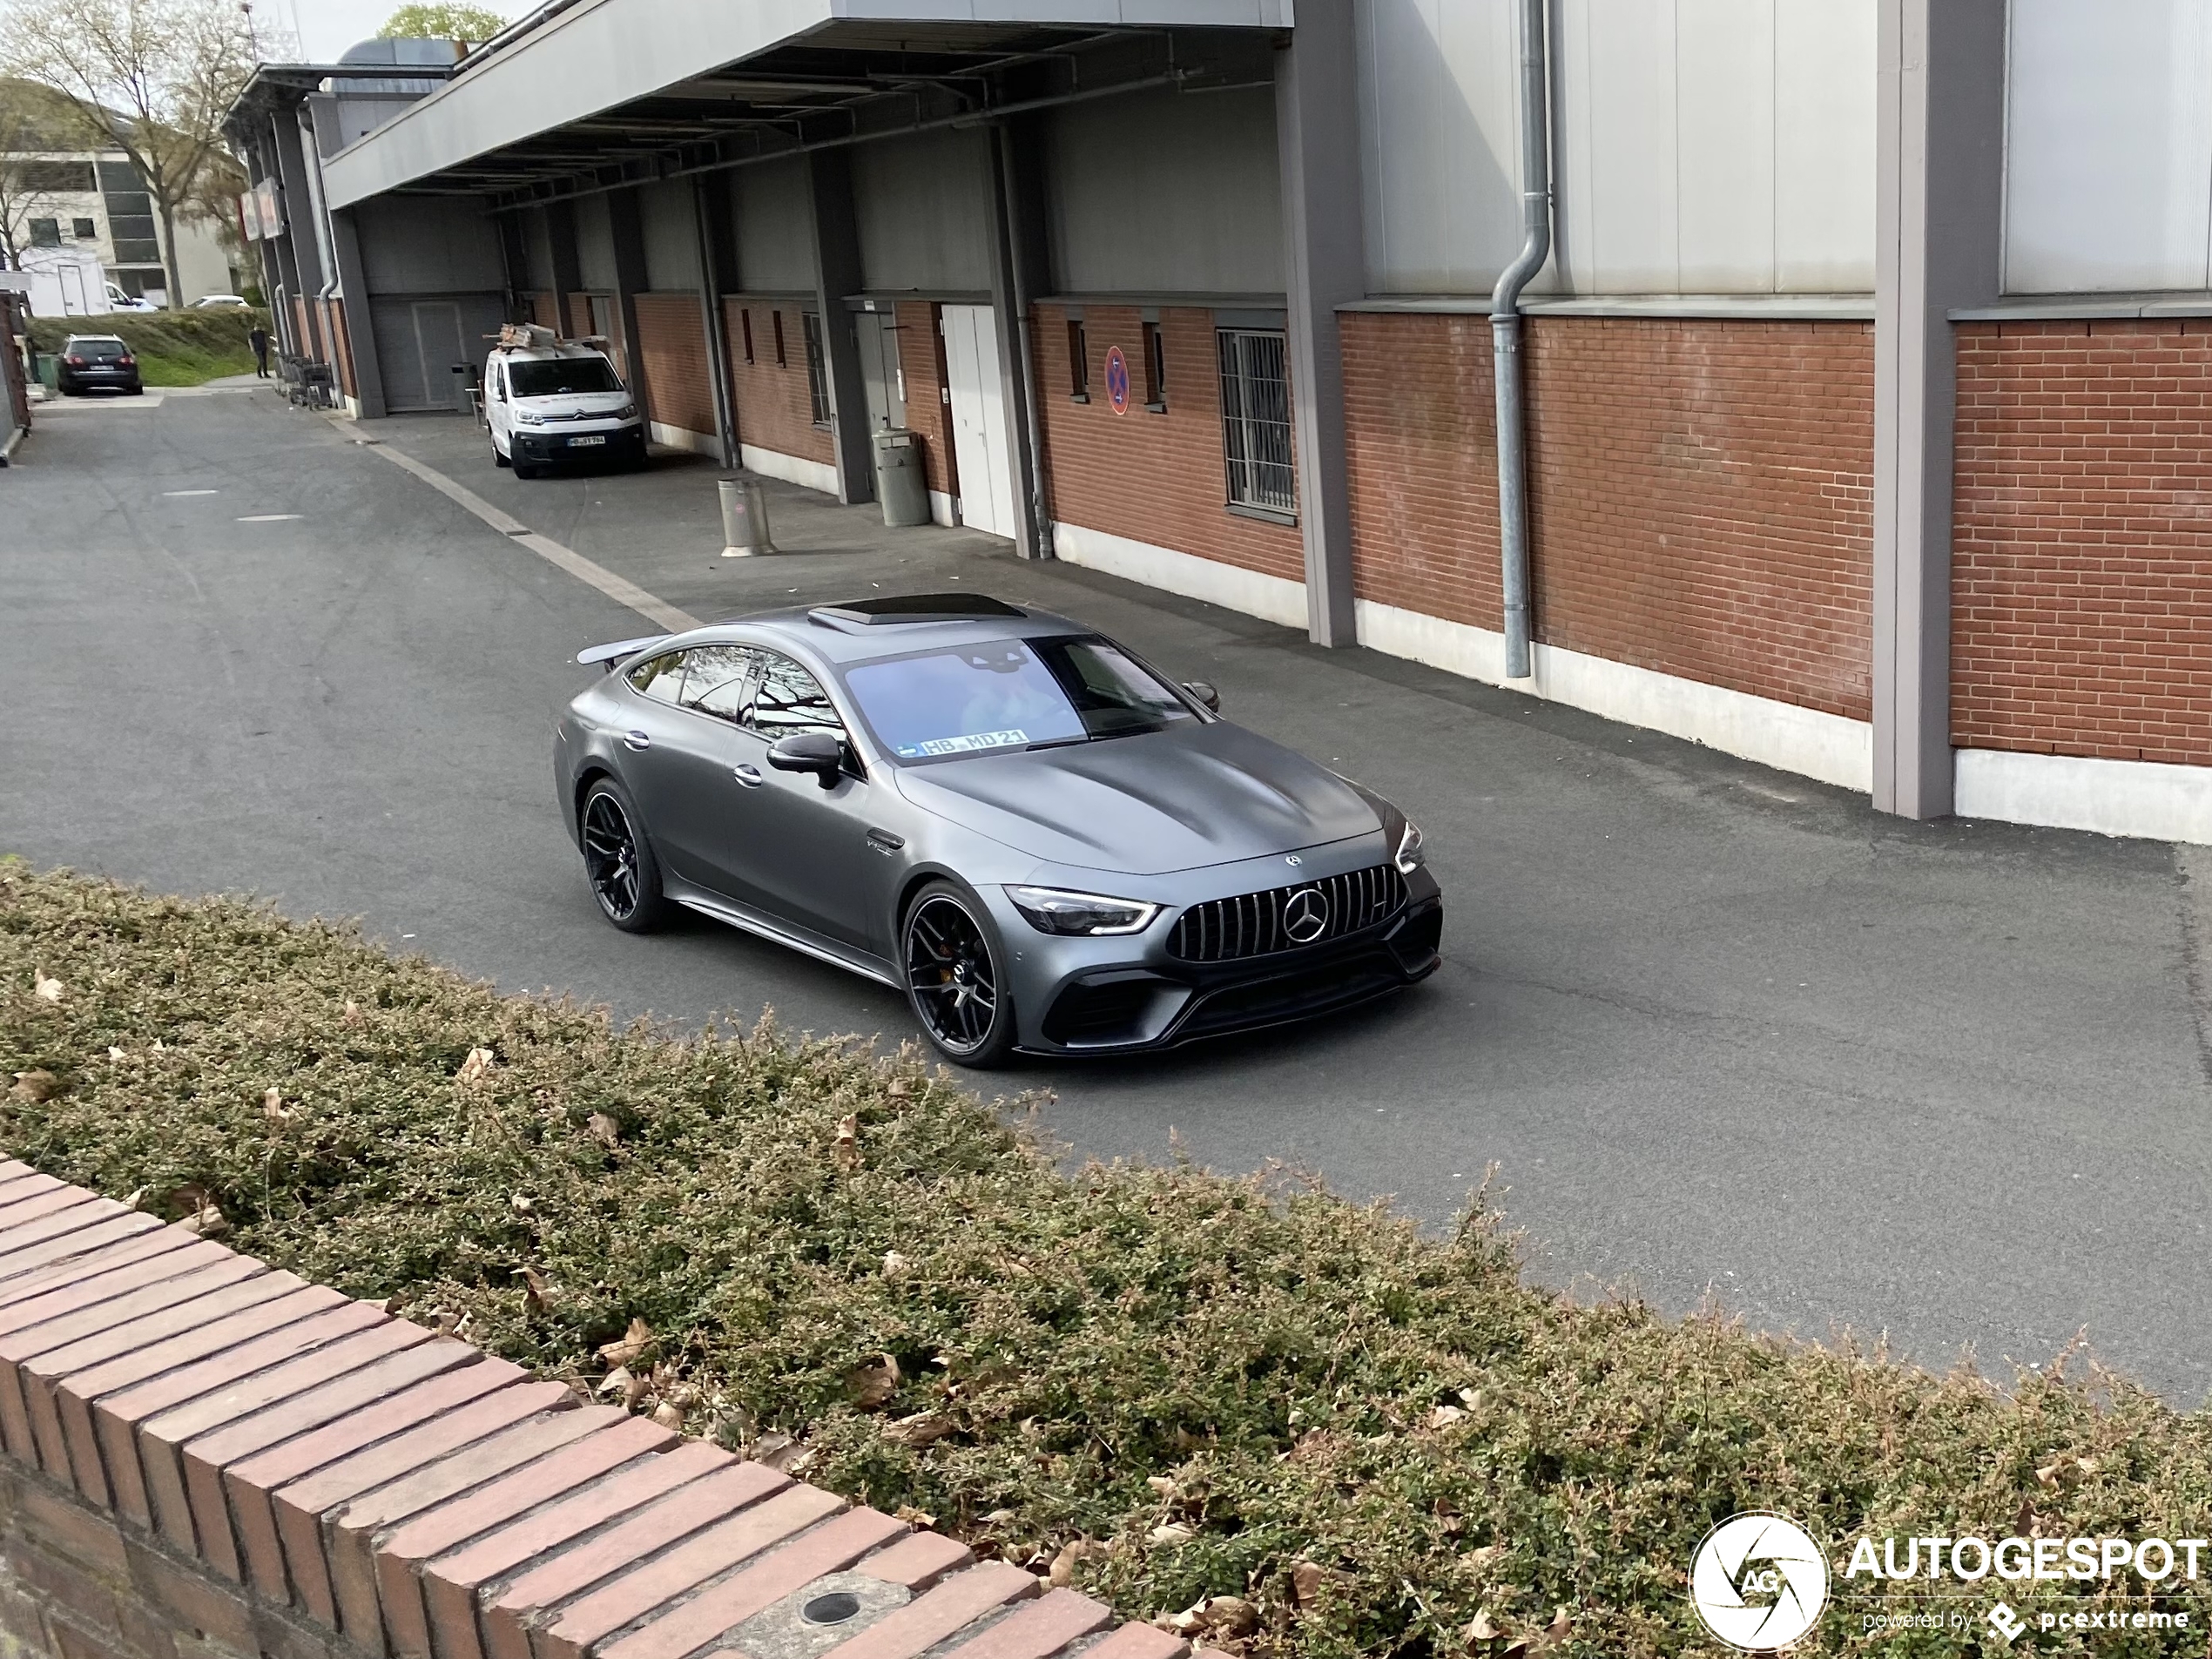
x=1505, y=333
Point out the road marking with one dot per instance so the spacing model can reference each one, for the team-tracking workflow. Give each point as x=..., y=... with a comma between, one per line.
x=188, y=492
x=619, y=589
x=267, y=518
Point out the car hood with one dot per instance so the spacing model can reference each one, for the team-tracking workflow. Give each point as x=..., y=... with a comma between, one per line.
x=1177, y=799
x=574, y=403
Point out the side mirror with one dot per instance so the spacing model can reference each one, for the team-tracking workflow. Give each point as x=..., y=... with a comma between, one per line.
x=814, y=751
x=1204, y=691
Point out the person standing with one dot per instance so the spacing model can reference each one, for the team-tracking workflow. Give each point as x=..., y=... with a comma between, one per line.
x=259, y=339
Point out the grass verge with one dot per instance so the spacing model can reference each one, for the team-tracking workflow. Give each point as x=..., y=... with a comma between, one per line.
x=173, y=347
x=1327, y=1433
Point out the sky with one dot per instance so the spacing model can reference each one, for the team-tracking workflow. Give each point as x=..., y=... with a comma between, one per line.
x=326, y=28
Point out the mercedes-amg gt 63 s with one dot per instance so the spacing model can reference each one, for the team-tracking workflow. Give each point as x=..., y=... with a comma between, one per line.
x=1048, y=845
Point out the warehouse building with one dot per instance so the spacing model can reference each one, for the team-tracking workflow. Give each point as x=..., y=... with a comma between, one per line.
x=1855, y=420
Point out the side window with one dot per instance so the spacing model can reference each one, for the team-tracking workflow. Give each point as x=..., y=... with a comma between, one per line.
x=715, y=679
x=660, y=677
x=790, y=699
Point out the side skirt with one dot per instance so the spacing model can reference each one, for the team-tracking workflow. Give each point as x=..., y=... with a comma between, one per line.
x=751, y=920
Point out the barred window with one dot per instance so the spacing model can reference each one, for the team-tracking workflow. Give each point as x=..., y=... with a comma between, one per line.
x=1255, y=419
x=817, y=371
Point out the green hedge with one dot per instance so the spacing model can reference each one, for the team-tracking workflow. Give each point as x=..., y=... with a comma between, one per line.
x=1300, y=1422
x=173, y=347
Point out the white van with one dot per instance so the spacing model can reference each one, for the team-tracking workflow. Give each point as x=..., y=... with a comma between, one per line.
x=548, y=402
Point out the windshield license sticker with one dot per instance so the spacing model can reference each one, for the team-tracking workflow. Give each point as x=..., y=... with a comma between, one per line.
x=964, y=746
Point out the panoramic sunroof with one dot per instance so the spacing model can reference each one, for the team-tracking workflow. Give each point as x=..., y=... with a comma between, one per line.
x=916, y=607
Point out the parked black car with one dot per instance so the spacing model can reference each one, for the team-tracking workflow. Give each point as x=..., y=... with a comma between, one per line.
x=96, y=359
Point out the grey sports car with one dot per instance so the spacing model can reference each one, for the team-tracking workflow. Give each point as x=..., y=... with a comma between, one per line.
x=1046, y=844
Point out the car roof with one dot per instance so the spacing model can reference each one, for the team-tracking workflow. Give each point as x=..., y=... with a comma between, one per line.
x=546, y=353
x=805, y=627
x=95, y=339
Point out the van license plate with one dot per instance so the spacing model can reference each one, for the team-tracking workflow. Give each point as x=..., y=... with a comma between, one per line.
x=585, y=443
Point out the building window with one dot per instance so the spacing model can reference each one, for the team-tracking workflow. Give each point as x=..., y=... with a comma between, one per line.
x=1256, y=419
x=45, y=233
x=744, y=326
x=776, y=317
x=84, y=230
x=1078, y=362
x=54, y=178
x=1156, y=368
x=817, y=372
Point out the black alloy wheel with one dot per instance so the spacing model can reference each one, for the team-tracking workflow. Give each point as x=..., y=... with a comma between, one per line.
x=954, y=978
x=618, y=860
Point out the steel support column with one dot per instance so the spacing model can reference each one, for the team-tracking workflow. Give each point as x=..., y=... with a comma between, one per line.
x=630, y=281
x=360, y=334
x=1939, y=197
x=1317, y=127
x=567, y=267
x=837, y=274
x=717, y=276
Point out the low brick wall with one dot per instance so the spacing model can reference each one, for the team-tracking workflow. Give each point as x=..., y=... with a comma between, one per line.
x=208, y=1459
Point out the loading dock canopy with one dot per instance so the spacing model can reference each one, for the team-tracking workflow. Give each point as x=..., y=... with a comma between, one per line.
x=608, y=92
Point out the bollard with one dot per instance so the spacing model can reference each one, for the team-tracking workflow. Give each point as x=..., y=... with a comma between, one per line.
x=744, y=518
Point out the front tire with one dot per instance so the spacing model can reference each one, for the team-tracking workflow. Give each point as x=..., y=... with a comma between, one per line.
x=497, y=459
x=957, y=978
x=618, y=860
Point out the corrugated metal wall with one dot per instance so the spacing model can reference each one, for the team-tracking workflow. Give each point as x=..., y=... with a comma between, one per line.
x=924, y=212
x=775, y=217
x=1714, y=146
x=1166, y=192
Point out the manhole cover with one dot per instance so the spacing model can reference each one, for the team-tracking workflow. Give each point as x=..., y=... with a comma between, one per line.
x=834, y=1608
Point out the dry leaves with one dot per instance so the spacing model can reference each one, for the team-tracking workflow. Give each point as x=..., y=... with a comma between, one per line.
x=631, y=1344
x=926, y=1429
x=602, y=1128
x=272, y=1106
x=1062, y=1571
x=845, y=1150
x=202, y=1215
x=478, y=1063
x=778, y=1452
x=46, y=990
x=36, y=1086
x=872, y=1384
x=914, y=1517
x=1171, y=1532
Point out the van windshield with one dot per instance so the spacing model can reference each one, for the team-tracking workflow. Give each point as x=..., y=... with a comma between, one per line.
x=546, y=377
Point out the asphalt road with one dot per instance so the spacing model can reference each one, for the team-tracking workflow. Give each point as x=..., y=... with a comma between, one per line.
x=1721, y=1028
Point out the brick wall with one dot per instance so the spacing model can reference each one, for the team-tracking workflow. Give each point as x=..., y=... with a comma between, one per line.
x=927, y=414
x=545, y=310
x=580, y=322
x=671, y=343
x=775, y=408
x=341, y=344
x=1701, y=491
x=2081, y=541
x=1156, y=478
x=208, y=1459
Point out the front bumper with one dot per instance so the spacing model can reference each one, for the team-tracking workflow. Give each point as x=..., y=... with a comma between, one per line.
x=1086, y=996
x=539, y=445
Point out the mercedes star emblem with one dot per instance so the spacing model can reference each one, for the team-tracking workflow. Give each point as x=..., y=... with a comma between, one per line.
x=1306, y=918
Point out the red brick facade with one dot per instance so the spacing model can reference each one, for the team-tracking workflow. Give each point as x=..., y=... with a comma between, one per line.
x=208, y=1459
x=930, y=418
x=2081, y=542
x=672, y=347
x=1700, y=492
x=1151, y=477
x=545, y=311
x=775, y=407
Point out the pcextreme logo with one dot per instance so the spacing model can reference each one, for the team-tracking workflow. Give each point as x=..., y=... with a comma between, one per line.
x=1758, y=1581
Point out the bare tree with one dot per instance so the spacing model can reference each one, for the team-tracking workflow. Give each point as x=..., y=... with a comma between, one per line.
x=152, y=78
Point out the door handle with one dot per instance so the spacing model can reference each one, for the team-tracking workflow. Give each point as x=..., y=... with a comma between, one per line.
x=884, y=841
x=637, y=741
x=749, y=776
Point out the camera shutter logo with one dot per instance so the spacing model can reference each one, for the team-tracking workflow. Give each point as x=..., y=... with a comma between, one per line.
x=1306, y=918
x=1758, y=1581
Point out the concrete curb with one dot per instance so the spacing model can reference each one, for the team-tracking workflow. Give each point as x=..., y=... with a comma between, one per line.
x=207, y=1458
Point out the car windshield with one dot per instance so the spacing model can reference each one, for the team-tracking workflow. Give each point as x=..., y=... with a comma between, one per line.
x=97, y=347
x=1010, y=694
x=550, y=377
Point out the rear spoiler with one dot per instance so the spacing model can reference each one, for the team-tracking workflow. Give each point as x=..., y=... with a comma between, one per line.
x=613, y=652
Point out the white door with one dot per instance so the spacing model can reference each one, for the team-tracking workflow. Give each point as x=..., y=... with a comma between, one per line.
x=980, y=446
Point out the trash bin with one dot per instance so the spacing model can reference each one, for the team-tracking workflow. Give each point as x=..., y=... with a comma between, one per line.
x=744, y=518
x=900, y=485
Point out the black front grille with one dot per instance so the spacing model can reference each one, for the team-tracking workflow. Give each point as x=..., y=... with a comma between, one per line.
x=1259, y=924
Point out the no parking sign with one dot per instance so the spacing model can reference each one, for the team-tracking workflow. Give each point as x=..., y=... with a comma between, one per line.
x=1117, y=379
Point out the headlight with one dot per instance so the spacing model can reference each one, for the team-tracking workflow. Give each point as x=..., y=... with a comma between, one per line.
x=627, y=412
x=529, y=419
x=1051, y=910
x=1409, y=856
